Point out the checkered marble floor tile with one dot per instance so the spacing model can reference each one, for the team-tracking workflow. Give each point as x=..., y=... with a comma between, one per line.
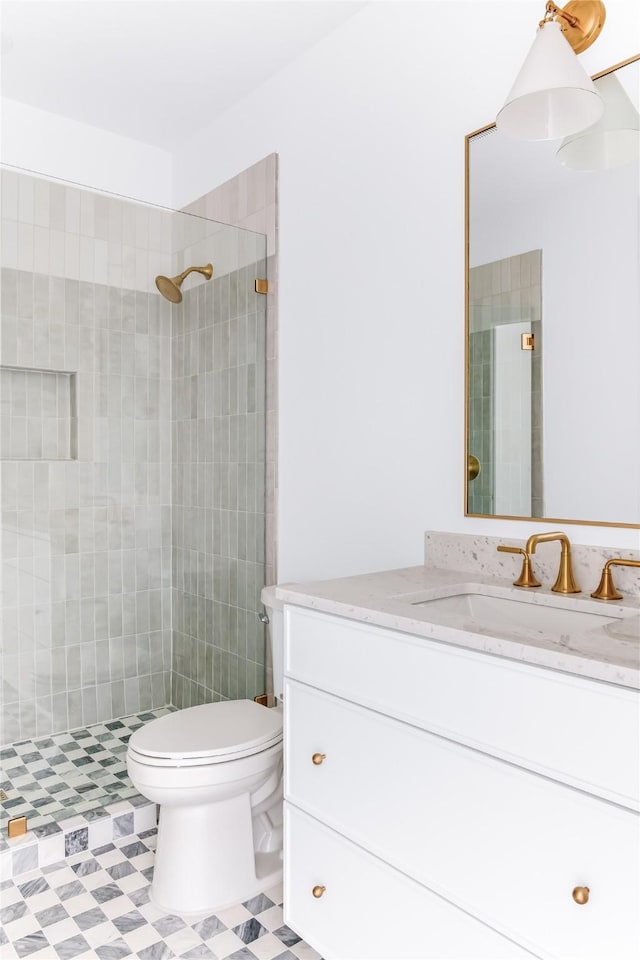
x=53, y=778
x=96, y=905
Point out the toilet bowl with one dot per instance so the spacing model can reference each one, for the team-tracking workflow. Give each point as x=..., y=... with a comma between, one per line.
x=216, y=772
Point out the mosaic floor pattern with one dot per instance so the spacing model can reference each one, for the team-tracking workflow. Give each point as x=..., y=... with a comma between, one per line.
x=49, y=779
x=96, y=905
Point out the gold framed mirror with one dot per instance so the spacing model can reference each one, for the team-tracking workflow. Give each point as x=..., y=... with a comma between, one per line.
x=552, y=324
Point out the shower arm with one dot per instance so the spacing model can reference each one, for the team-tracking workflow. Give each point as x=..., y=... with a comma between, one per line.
x=205, y=271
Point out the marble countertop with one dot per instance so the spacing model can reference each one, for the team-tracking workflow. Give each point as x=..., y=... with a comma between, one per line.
x=387, y=599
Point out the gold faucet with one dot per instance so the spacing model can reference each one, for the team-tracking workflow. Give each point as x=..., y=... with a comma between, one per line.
x=607, y=588
x=565, y=582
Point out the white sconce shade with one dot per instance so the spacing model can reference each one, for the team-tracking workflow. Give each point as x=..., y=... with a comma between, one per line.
x=613, y=141
x=552, y=97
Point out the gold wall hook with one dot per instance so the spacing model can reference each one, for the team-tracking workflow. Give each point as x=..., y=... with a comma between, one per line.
x=318, y=891
x=527, y=577
x=606, y=588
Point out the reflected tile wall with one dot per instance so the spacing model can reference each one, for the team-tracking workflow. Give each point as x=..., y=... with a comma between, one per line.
x=512, y=286
x=481, y=417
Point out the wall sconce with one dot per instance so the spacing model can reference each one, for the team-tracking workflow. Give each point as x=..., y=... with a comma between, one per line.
x=614, y=141
x=553, y=96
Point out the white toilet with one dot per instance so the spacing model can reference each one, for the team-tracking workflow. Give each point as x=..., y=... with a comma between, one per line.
x=216, y=772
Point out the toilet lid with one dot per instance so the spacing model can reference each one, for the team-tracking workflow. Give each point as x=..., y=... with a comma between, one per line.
x=212, y=730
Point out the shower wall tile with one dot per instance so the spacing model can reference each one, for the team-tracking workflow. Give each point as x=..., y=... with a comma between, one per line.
x=218, y=490
x=112, y=558
x=250, y=200
x=219, y=645
x=37, y=414
x=85, y=543
x=66, y=231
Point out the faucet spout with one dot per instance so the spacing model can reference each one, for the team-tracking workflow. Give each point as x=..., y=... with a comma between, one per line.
x=565, y=582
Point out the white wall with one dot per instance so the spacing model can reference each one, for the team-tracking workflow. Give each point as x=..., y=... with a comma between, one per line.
x=45, y=143
x=370, y=126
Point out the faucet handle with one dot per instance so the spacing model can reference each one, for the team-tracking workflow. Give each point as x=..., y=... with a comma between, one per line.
x=607, y=589
x=527, y=577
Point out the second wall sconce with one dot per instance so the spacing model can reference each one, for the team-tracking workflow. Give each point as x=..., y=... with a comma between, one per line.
x=614, y=141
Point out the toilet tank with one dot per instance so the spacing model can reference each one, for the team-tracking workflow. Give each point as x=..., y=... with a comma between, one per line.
x=275, y=637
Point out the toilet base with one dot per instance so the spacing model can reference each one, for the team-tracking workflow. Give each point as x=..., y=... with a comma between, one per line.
x=205, y=858
x=270, y=872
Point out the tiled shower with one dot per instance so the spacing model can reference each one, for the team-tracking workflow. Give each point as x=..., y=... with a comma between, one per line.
x=503, y=295
x=218, y=490
x=133, y=452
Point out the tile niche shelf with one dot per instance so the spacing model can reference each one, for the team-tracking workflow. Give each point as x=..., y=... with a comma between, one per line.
x=39, y=416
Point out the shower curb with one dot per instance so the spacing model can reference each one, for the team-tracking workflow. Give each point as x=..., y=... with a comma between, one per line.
x=56, y=841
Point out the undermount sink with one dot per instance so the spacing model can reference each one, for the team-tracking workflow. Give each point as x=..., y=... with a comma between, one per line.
x=483, y=609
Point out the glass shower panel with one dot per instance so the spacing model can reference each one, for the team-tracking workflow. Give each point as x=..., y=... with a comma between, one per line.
x=218, y=473
x=133, y=450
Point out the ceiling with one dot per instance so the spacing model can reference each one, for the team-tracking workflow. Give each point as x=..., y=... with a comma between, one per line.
x=154, y=70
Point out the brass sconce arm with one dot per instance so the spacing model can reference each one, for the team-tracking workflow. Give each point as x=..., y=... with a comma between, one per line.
x=553, y=12
x=565, y=582
x=606, y=588
x=527, y=577
x=578, y=30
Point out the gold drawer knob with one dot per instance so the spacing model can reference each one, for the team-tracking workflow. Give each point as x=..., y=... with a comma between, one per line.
x=581, y=895
x=317, y=758
x=318, y=891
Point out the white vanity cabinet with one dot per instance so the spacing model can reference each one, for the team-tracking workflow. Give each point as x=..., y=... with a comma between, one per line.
x=443, y=803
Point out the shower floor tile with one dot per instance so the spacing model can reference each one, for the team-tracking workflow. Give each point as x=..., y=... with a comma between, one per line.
x=49, y=779
x=108, y=919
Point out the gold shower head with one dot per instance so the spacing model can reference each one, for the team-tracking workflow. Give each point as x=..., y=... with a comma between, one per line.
x=169, y=287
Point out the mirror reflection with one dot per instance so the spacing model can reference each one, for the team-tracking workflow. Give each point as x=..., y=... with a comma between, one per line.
x=553, y=325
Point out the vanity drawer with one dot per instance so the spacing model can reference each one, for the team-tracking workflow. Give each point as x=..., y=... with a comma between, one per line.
x=583, y=732
x=368, y=911
x=506, y=845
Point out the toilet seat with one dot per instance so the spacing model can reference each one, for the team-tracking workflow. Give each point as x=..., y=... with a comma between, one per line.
x=209, y=733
